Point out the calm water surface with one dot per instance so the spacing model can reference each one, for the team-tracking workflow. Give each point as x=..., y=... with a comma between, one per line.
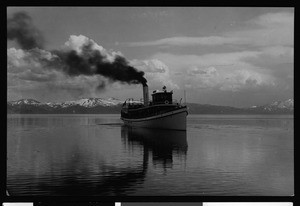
x=96, y=155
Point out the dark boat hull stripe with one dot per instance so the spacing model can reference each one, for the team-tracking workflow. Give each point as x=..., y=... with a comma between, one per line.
x=157, y=116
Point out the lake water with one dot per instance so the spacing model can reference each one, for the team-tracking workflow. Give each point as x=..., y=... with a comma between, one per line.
x=95, y=155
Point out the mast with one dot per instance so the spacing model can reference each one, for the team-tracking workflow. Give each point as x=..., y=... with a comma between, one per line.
x=184, y=97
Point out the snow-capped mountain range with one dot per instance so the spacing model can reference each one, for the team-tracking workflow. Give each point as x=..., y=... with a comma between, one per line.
x=24, y=101
x=85, y=102
x=277, y=105
x=112, y=105
x=289, y=104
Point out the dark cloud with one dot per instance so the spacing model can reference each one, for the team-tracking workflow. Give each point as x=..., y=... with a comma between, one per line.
x=91, y=62
x=21, y=29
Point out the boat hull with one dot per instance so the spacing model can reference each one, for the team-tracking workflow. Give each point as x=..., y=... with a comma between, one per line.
x=175, y=120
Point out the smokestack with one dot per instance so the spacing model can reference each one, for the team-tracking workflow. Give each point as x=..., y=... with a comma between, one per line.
x=145, y=94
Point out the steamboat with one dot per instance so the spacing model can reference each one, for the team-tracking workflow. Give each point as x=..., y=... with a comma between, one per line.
x=162, y=112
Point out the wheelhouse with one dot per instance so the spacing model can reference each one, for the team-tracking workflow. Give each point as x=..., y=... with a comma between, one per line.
x=162, y=97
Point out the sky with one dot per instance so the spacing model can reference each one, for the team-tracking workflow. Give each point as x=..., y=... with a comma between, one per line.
x=239, y=56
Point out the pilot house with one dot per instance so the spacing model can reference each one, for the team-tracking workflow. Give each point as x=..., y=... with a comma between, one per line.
x=162, y=97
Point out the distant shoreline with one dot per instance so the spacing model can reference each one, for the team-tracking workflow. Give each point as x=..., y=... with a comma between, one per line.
x=33, y=107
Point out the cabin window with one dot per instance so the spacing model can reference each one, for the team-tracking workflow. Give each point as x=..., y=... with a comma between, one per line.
x=162, y=98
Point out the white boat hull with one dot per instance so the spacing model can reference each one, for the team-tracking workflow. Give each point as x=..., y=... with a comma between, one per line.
x=175, y=120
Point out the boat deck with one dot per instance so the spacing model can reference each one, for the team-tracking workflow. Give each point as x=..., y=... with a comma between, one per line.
x=149, y=111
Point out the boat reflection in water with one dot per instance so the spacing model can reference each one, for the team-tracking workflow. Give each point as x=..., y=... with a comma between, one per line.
x=74, y=162
x=163, y=145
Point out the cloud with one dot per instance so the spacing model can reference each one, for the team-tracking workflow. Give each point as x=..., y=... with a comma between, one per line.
x=37, y=69
x=245, y=79
x=19, y=60
x=52, y=86
x=80, y=66
x=232, y=71
x=157, y=73
x=21, y=29
x=25, y=67
x=224, y=60
x=79, y=44
x=150, y=66
x=270, y=56
x=274, y=19
x=27, y=73
x=271, y=29
x=230, y=80
x=23, y=61
x=38, y=77
x=187, y=41
x=202, y=71
x=77, y=86
x=264, y=59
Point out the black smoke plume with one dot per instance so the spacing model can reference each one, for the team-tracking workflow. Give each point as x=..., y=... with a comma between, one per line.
x=21, y=29
x=91, y=62
x=87, y=62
